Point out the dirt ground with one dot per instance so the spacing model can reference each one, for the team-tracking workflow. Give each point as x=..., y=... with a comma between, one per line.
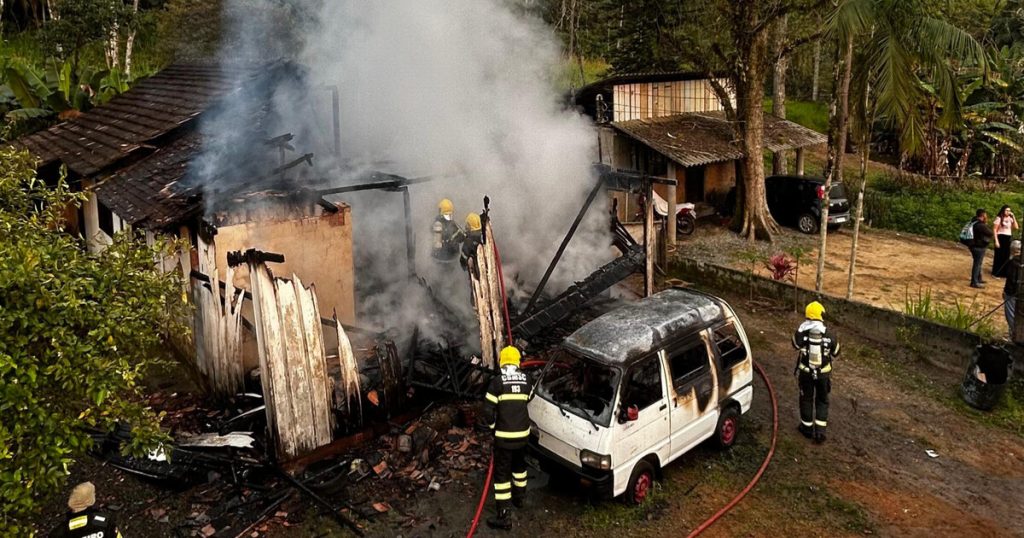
x=872, y=477
x=890, y=265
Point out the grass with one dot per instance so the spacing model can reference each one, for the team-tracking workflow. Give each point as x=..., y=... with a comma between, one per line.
x=960, y=315
x=807, y=113
x=568, y=76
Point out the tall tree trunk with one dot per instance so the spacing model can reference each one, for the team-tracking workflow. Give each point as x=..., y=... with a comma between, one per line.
x=816, y=71
x=779, y=164
x=839, y=113
x=1, y=17
x=129, y=45
x=112, y=52
x=755, y=222
x=865, y=153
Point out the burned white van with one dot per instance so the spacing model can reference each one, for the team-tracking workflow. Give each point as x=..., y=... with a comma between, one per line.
x=638, y=387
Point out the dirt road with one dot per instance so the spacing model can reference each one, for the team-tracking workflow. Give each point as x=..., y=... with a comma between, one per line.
x=890, y=266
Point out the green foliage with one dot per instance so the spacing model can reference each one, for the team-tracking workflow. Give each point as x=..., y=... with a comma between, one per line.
x=77, y=334
x=933, y=209
x=82, y=22
x=966, y=317
x=188, y=29
x=807, y=113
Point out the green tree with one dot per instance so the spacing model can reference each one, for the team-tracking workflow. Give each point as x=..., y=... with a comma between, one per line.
x=77, y=334
x=78, y=23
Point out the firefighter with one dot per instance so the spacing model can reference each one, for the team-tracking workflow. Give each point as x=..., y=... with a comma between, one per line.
x=446, y=234
x=474, y=237
x=817, y=348
x=83, y=520
x=507, y=397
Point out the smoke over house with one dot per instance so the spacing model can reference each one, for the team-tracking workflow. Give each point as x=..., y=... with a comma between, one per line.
x=458, y=89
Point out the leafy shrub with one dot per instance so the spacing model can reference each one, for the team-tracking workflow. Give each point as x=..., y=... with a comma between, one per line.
x=782, y=267
x=77, y=334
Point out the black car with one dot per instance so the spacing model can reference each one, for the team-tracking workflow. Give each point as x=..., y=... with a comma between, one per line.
x=796, y=201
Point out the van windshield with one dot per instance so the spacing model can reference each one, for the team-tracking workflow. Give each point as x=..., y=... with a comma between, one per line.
x=580, y=386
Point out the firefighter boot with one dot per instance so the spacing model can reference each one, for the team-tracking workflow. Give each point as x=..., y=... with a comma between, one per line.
x=806, y=431
x=819, y=434
x=518, y=501
x=503, y=520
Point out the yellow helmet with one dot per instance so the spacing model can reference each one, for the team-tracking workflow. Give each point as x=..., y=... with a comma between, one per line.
x=509, y=355
x=814, y=311
x=473, y=222
x=446, y=207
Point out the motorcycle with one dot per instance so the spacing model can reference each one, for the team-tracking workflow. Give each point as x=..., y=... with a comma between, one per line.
x=686, y=214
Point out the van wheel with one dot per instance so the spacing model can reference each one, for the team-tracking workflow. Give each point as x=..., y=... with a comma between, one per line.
x=728, y=428
x=807, y=223
x=641, y=483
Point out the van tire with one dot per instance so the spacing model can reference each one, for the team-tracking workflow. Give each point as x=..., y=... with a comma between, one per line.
x=807, y=223
x=728, y=428
x=641, y=483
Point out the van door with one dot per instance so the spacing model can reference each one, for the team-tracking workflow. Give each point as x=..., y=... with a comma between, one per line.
x=642, y=386
x=694, y=409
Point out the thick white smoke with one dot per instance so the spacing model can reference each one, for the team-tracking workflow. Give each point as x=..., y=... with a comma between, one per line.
x=456, y=87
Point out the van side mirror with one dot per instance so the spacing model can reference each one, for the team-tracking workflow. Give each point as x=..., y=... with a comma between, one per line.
x=629, y=414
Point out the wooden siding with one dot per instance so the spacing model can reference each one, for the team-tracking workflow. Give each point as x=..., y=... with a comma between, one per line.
x=658, y=99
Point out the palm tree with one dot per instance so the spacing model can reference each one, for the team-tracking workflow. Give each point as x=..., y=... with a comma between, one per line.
x=906, y=57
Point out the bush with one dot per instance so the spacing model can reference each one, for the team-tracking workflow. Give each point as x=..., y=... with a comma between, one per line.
x=933, y=209
x=77, y=334
x=966, y=317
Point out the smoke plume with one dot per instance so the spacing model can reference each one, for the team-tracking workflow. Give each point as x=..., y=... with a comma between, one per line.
x=461, y=89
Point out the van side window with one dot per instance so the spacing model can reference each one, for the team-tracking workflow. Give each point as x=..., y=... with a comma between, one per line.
x=643, y=384
x=688, y=362
x=730, y=347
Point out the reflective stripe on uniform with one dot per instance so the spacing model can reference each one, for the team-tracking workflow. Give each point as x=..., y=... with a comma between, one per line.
x=821, y=423
x=808, y=423
x=503, y=496
x=78, y=522
x=520, y=476
x=519, y=483
x=827, y=368
x=491, y=398
x=512, y=435
x=502, y=486
x=514, y=397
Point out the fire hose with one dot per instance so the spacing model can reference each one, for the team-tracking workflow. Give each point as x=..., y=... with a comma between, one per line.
x=703, y=526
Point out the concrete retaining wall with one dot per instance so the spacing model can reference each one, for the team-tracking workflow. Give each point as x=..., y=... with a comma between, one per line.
x=943, y=346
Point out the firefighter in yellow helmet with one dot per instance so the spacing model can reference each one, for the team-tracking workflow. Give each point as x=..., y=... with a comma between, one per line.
x=507, y=399
x=445, y=233
x=473, y=239
x=817, y=347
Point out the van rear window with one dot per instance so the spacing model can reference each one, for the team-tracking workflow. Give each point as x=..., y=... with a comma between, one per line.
x=580, y=386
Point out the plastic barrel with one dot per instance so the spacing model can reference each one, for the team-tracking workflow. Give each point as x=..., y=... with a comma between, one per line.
x=986, y=376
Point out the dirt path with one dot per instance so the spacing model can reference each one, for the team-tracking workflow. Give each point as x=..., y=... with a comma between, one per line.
x=890, y=266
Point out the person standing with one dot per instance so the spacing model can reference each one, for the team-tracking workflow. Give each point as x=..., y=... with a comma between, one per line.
x=507, y=399
x=1002, y=227
x=447, y=236
x=978, y=246
x=1010, y=288
x=83, y=520
x=817, y=347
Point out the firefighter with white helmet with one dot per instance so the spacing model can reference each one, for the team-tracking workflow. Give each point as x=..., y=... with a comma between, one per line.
x=445, y=233
x=817, y=347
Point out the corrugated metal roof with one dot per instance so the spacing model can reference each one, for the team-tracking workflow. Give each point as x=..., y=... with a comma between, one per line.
x=106, y=134
x=700, y=138
x=150, y=193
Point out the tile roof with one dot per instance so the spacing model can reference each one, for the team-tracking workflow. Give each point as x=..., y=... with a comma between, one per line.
x=151, y=193
x=103, y=136
x=699, y=138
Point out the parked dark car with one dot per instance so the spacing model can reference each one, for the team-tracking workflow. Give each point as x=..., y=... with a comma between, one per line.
x=796, y=201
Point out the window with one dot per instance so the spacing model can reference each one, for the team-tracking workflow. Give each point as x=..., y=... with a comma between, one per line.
x=580, y=386
x=643, y=384
x=106, y=218
x=730, y=347
x=688, y=362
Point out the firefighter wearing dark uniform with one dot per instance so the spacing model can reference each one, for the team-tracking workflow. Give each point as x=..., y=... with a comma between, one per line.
x=474, y=237
x=83, y=521
x=507, y=398
x=446, y=234
x=817, y=348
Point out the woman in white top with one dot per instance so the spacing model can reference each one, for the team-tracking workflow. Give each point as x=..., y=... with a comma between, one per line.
x=1002, y=226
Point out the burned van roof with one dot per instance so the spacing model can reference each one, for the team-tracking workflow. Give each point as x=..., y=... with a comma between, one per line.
x=633, y=331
